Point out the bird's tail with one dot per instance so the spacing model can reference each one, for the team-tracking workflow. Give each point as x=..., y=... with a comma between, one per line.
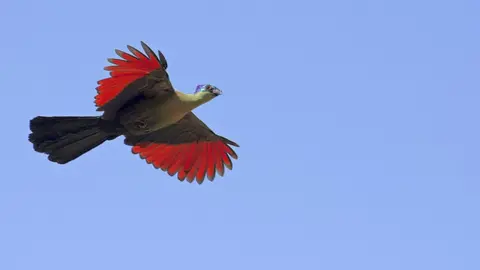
x=65, y=138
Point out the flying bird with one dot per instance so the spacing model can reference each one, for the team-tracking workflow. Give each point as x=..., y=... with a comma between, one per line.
x=139, y=102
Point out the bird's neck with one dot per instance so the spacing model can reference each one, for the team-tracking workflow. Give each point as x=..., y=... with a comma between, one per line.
x=192, y=101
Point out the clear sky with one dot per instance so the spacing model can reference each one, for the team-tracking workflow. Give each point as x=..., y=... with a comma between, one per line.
x=358, y=123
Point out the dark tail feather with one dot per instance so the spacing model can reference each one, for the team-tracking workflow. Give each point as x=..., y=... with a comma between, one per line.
x=65, y=138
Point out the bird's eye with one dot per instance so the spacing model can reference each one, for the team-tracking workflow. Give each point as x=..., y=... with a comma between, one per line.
x=208, y=87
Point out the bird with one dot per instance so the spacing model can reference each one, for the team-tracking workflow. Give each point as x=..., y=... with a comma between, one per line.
x=139, y=102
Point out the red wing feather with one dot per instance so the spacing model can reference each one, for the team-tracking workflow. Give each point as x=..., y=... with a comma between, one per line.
x=181, y=175
x=189, y=161
x=210, y=163
x=125, y=71
x=170, y=161
x=202, y=164
x=177, y=164
x=193, y=172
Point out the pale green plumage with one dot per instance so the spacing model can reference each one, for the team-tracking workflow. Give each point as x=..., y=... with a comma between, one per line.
x=175, y=107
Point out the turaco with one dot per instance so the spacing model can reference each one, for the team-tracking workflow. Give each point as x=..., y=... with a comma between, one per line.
x=139, y=102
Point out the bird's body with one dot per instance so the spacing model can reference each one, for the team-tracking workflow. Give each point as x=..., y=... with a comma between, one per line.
x=139, y=102
x=157, y=112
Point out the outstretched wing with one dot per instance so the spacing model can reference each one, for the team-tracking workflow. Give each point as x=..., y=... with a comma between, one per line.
x=136, y=74
x=188, y=148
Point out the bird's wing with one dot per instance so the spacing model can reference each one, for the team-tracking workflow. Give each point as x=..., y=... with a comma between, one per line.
x=136, y=74
x=188, y=148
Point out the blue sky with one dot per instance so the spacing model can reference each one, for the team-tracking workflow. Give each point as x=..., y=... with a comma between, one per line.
x=357, y=120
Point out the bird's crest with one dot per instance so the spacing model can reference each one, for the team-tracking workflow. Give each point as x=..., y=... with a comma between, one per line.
x=199, y=88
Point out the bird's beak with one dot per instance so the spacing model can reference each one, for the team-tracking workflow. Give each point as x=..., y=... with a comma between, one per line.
x=217, y=92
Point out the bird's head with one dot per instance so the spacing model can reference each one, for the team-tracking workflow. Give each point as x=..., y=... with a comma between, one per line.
x=207, y=91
